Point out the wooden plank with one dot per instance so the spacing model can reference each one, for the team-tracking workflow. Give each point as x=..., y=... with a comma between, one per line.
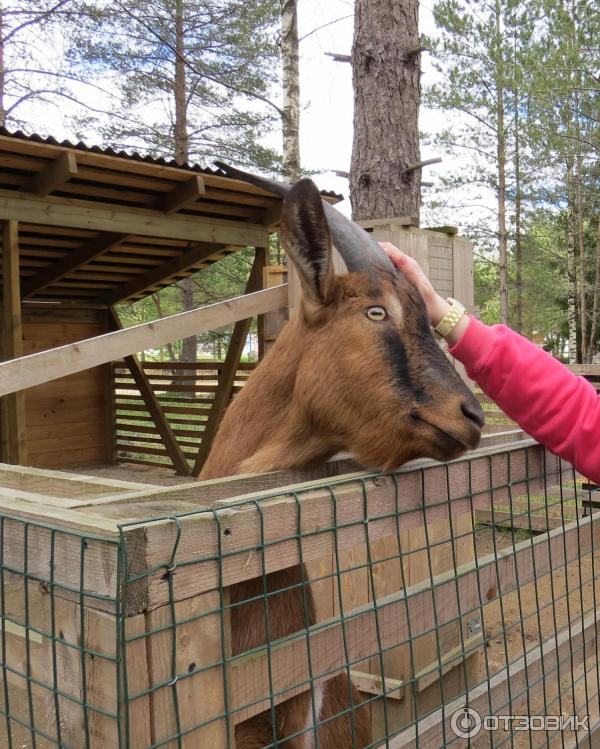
x=137, y=731
x=92, y=249
x=536, y=523
x=45, y=366
x=83, y=214
x=373, y=684
x=191, y=672
x=271, y=217
x=283, y=666
x=228, y=372
x=462, y=270
x=75, y=485
x=344, y=471
x=245, y=526
x=586, y=370
x=12, y=407
x=182, y=262
x=151, y=402
x=509, y=689
x=273, y=322
x=207, y=493
x=54, y=175
x=123, y=164
x=182, y=195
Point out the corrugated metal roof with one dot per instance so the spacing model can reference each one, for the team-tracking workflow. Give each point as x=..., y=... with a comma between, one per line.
x=122, y=154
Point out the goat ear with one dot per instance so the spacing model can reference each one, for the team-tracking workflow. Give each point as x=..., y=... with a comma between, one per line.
x=306, y=239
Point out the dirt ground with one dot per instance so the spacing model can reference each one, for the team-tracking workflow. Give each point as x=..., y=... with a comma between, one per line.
x=523, y=619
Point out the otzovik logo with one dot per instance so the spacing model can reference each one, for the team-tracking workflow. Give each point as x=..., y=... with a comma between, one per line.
x=465, y=723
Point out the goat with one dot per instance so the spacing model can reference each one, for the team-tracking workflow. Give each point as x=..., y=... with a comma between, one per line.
x=356, y=369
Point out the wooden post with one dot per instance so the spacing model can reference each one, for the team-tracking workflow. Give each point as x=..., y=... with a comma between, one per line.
x=12, y=410
x=154, y=408
x=261, y=259
x=230, y=367
x=294, y=288
x=274, y=321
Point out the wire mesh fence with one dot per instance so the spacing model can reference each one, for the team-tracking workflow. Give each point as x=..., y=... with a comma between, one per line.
x=440, y=605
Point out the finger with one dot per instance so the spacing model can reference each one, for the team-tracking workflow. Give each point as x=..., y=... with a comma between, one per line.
x=396, y=256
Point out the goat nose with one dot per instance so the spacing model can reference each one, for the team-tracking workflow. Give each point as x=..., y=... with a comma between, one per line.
x=472, y=411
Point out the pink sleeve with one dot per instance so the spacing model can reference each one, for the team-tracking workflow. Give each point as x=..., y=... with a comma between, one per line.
x=557, y=408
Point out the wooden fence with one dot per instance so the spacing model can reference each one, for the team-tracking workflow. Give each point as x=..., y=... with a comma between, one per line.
x=185, y=391
x=591, y=372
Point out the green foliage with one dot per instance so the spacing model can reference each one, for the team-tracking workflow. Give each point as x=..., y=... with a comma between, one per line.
x=228, y=53
x=536, y=63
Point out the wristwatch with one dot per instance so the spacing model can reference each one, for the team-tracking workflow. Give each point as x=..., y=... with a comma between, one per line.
x=451, y=318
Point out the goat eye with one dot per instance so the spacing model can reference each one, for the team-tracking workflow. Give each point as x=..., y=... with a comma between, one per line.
x=377, y=314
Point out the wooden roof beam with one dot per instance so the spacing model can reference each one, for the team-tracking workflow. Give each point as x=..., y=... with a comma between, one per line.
x=271, y=217
x=181, y=196
x=184, y=261
x=91, y=250
x=46, y=366
x=142, y=222
x=54, y=175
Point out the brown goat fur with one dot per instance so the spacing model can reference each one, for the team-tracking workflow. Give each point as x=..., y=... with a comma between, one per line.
x=356, y=369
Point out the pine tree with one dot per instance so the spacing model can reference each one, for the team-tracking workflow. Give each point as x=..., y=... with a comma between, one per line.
x=475, y=54
x=385, y=180
x=197, y=59
x=187, y=74
x=27, y=74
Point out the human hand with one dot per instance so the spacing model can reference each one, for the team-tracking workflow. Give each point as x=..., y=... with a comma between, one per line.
x=436, y=305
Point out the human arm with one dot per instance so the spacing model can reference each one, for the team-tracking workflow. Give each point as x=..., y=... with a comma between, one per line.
x=546, y=399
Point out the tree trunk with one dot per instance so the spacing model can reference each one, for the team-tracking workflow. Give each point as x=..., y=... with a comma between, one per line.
x=290, y=117
x=385, y=72
x=518, y=323
x=501, y=154
x=596, y=299
x=181, y=133
x=189, y=349
x=571, y=268
x=581, y=256
x=2, y=72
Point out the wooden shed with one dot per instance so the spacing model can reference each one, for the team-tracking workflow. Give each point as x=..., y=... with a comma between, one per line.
x=84, y=229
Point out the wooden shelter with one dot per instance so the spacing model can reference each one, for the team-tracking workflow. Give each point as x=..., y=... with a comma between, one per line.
x=84, y=229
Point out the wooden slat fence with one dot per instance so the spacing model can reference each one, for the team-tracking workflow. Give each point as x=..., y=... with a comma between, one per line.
x=185, y=391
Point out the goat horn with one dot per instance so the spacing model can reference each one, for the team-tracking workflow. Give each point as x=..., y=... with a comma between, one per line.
x=358, y=248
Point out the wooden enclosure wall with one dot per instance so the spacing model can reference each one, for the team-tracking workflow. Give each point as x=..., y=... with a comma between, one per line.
x=185, y=392
x=447, y=259
x=67, y=420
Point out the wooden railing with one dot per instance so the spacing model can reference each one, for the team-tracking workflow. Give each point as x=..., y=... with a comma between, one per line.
x=185, y=391
x=591, y=372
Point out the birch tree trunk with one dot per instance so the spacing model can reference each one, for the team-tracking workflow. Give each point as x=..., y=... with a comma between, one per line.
x=290, y=118
x=385, y=73
x=189, y=349
x=501, y=156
